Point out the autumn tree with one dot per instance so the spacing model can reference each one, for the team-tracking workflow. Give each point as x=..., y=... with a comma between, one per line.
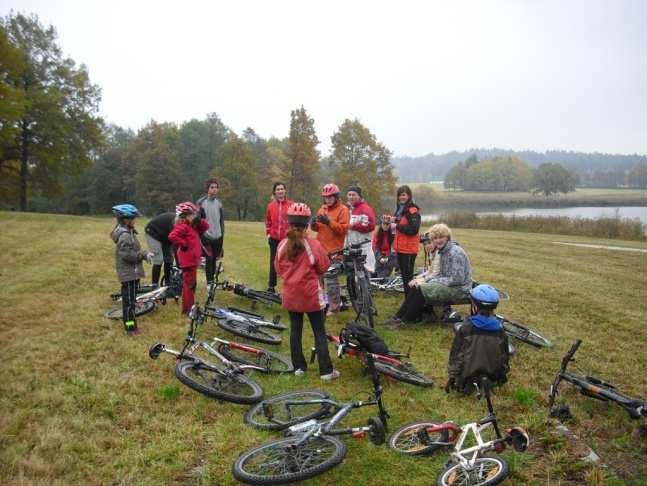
x=53, y=129
x=358, y=158
x=237, y=176
x=501, y=173
x=303, y=157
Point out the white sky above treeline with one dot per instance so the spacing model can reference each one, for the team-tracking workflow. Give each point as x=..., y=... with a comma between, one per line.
x=423, y=76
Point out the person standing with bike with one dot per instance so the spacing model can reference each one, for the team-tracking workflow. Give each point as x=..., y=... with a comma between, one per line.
x=157, y=231
x=128, y=259
x=362, y=223
x=331, y=224
x=188, y=229
x=405, y=224
x=276, y=226
x=300, y=262
x=480, y=346
x=212, y=239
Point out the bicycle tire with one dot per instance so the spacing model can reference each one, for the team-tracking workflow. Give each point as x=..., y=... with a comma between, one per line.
x=523, y=333
x=231, y=387
x=268, y=463
x=406, y=440
x=256, y=418
x=368, y=310
x=141, y=308
x=271, y=362
x=487, y=471
x=248, y=331
x=404, y=372
x=264, y=296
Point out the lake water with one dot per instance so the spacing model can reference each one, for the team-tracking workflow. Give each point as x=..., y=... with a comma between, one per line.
x=631, y=212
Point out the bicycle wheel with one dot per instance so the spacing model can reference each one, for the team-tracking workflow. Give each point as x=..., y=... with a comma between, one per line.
x=281, y=461
x=414, y=440
x=231, y=387
x=272, y=362
x=141, y=308
x=249, y=331
x=282, y=417
x=486, y=471
x=522, y=333
x=364, y=296
x=263, y=296
x=403, y=372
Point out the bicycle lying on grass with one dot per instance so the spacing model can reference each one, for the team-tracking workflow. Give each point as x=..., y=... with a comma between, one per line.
x=242, y=323
x=225, y=381
x=357, y=281
x=467, y=465
x=311, y=446
x=262, y=296
x=390, y=364
x=590, y=387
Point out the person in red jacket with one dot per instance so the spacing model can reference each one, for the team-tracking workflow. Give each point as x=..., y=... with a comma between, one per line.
x=406, y=224
x=185, y=235
x=276, y=226
x=385, y=257
x=362, y=223
x=300, y=262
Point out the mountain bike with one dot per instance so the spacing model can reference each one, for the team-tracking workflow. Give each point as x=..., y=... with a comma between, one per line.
x=174, y=285
x=591, y=387
x=310, y=447
x=225, y=381
x=393, y=284
x=467, y=465
x=262, y=296
x=357, y=281
x=512, y=328
x=387, y=364
x=144, y=304
x=240, y=322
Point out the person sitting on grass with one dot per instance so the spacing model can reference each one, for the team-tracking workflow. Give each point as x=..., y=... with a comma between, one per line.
x=452, y=283
x=480, y=346
x=128, y=259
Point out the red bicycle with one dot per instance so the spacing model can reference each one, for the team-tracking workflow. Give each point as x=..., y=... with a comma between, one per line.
x=386, y=364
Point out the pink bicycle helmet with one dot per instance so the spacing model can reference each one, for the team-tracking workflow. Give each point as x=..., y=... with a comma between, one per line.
x=330, y=189
x=299, y=214
x=186, y=207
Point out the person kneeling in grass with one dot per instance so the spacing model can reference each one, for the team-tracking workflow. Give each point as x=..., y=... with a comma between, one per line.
x=452, y=283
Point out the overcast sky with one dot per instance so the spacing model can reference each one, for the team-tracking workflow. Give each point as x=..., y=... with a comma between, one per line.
x=427, y=76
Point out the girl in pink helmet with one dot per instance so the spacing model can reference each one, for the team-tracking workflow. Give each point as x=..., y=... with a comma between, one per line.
x=300, y=262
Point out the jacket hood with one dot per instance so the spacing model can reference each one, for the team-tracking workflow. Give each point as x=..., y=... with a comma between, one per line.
x=448, y=246
x=118, y=231
x=486, y=323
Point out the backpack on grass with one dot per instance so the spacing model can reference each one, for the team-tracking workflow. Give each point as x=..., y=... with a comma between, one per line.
x=366, y=337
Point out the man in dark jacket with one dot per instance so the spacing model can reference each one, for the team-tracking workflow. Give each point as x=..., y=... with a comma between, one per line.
x=157, y=231
x=480, y=346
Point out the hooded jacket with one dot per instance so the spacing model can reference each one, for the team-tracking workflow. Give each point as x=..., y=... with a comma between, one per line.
x=276, y=219
x=128, y=254
x=455, y=268
x=302, y=291
x=186, y=237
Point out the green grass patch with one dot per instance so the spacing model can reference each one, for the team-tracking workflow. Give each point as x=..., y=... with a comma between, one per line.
x=84, y=404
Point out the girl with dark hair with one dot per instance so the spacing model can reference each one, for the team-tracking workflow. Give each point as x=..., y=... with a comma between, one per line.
x=300, y=262
x=276, y=226
x=406, y=224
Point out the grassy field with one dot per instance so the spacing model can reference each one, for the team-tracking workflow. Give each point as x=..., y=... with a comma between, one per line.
x=454, y=200
x=84, y=404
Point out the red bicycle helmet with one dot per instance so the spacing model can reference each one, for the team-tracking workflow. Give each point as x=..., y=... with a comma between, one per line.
x=299, y=214
x=186, y=207
x=330, y=189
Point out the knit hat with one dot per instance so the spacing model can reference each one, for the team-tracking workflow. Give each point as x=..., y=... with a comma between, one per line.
x=355, y=188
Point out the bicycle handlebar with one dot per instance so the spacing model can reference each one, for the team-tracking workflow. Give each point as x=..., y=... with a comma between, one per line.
x=353, y=246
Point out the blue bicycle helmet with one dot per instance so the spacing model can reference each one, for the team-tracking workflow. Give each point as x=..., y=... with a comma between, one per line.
x=485, y=296
x=125, y=211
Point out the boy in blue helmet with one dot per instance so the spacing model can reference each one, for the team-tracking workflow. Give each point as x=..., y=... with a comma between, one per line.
x=480, y=346
x=128, y=259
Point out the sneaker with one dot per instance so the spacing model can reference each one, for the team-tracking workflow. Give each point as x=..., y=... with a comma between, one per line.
x=134, y=332
x=331, y=376
x=299, y=372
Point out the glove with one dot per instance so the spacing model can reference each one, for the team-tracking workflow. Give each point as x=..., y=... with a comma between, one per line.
x=450, y=385
x=323, y=219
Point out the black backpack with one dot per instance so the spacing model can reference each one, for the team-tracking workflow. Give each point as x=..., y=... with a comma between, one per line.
x=366, y=337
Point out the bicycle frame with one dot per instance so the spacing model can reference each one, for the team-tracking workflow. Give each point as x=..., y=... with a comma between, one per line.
x=594, y=388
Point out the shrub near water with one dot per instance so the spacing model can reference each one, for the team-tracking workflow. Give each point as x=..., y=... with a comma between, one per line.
x=616, y=228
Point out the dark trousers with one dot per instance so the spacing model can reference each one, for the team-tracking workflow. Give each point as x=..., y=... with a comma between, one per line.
x=188, y=288
x=273, y=246
x=406, y=263
x=128, y=300
x=321, y=341
x=157, y=270
x=216, y=253
x=412, y=307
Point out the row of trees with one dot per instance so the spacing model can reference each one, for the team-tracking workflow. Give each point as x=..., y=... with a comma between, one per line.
x=56, y=154
x=509, y=173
